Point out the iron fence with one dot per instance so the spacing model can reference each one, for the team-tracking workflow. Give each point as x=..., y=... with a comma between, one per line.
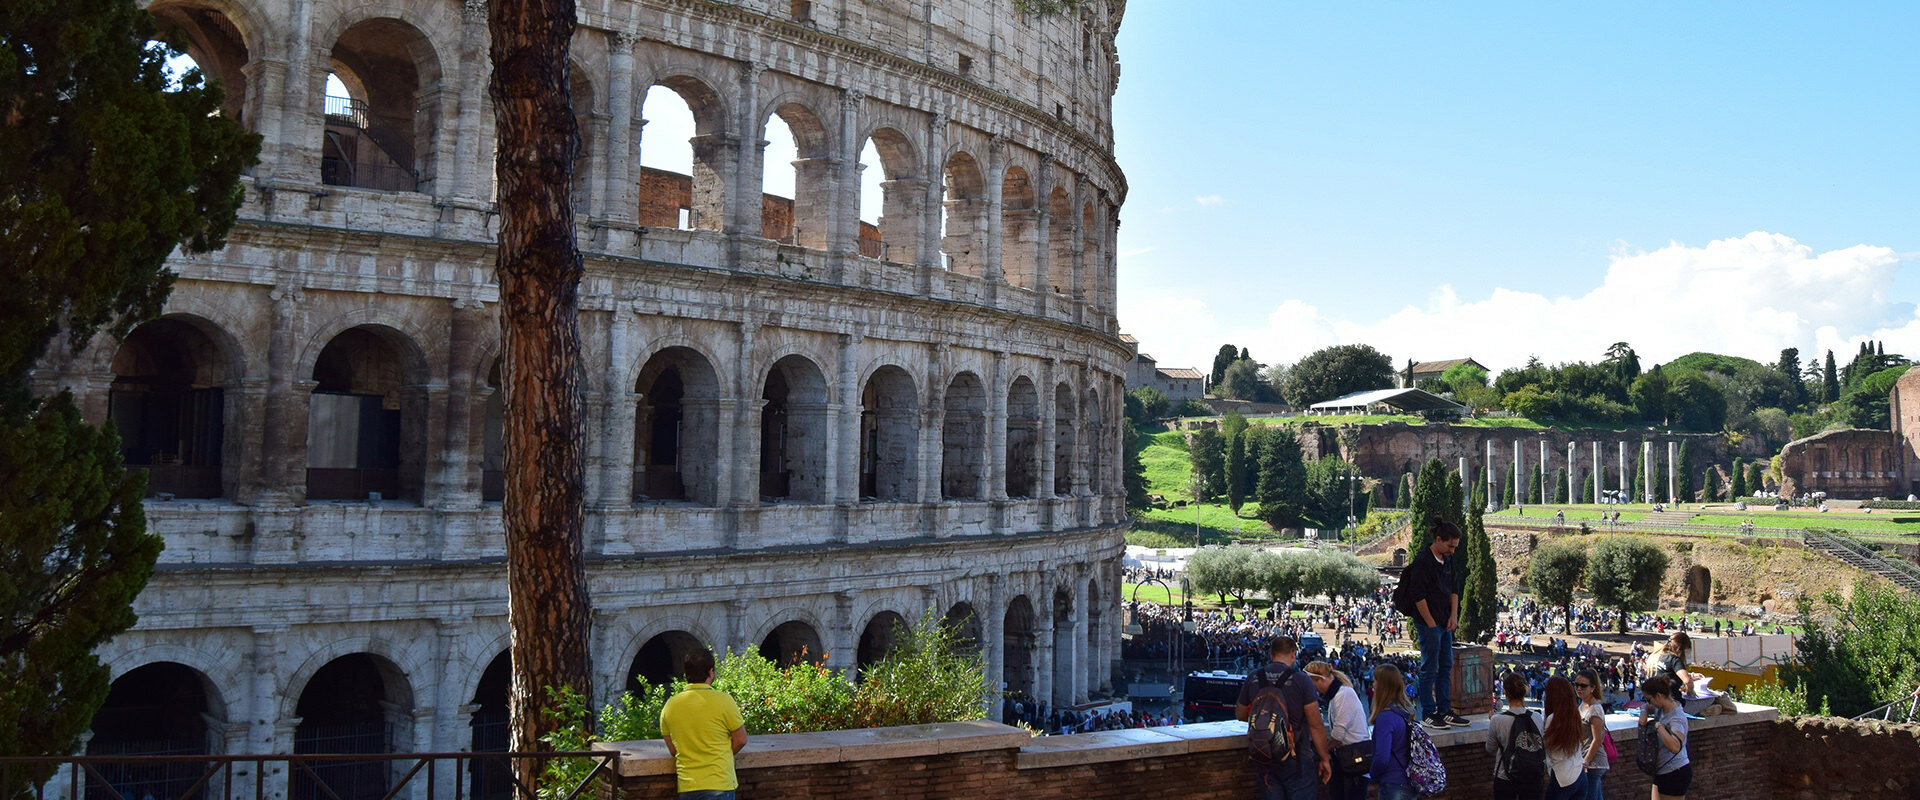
x=310, y=776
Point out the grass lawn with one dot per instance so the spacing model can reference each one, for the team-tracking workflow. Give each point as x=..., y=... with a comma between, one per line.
x=1169, y=472
x=1153, y=592
x=1574, y=514
x=1908, y=525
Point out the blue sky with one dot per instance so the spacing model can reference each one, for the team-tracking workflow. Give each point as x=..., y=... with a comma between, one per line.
x=1451, y=179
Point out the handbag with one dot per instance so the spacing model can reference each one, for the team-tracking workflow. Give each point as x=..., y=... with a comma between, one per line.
x=1354, y=759
x=1613, y=753
x=1648, y=753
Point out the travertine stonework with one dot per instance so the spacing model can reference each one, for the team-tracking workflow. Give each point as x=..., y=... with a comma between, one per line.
x=791, y=444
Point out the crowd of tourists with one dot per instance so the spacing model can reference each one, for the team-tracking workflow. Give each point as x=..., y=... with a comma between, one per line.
x=1048, y=720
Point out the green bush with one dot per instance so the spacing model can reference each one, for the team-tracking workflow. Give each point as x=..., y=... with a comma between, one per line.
x=1891, y=505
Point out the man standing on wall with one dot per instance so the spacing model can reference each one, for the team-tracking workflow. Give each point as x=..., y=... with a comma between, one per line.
x=1298, y=777
x=703, y=729
x=1429, y=592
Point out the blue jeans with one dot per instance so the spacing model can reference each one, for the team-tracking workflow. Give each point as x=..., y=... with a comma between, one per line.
x=1396, y=791
x=707, y=795
x=1578, y=791
x=1435, y=692
x=1593, y=784
x=1289, y=785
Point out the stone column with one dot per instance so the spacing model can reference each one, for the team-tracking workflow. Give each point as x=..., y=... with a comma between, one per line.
x=1546, y=477
x=1646, y=471
x=1596, y=472
x=618, y=421
x=265, y=104
x=1078, y=227
x=293, y=161
x=844, y=215
x=1042, y=659
x=1043, y=235
x=994, y=270
x=737, y=628
x=843, y=642
x=744, y=465
x=1573, y=477
x=621, y=190
x=933, y=417
x=1049, y=444
x=743, y=215
x=843, y=445
x=1519, y=475
x=476, y=66
x=1673, y=472
x=995, y=479
x=283, y=457
x=930, y=229
x=1493, y=494
x=1621, y=471
x=268, y=732
x=1069, y=671
x=1466, y=488
x=993, y=632
x=459, y=475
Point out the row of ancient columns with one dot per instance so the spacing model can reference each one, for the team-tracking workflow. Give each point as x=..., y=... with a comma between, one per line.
x=1519, y=472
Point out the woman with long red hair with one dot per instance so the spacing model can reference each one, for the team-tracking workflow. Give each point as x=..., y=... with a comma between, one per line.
x=1565, y=741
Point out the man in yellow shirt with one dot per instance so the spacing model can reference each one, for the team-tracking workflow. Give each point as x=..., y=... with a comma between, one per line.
x=703, y=730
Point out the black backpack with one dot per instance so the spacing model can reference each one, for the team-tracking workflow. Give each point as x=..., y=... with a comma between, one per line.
x=1270, y=735
x=1525, y=754
x=1403, y=599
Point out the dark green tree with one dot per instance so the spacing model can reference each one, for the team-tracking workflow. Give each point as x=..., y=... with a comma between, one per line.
x=1555, y=570
x=1431, y=497
x=1586, y=491
x=1739, y=488
x=1636, y=482
x=1480, y=606
x=1858, y=652
x=1506, y=489
x=1789, y=365
x=1133, y=474
x=1335, y=371
x=1234, y=427
x=1712, y=485
x=1283, y=478
x=1683, y=477
x=1221, y=360
x=1623, y=361
x=1756, y=477
x=1242, y=382
x=1403, y=494
x=1560, y=486
x=1152, y=406
x=1624, y=573
x=1829, y=381
x=1209, y=462
x=107, y=165
x=1533, y=483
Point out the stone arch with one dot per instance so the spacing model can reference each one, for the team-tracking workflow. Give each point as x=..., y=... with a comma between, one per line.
x=381, y=134
x=661, y=658
x=404, y=331
x=1093, y=417
x=1019, y=634
x=677, y=428
x=636, y=632
x=168, y=403
x=805, y=218
x=1023, y=439
x=792, y=642
x=889, y=435
x=877, y=639
x=220, y=38
x=356, y=703
x=161, y=708
x=1066, y=451
x=696, y=200
x=1020, y=233
x=963, y=236
x=1699, y=584
x=794, y=423
x=965, y=622
x=488, y=730
x=963, y=438
x=1060, y=262
x=586, y=102
x=902, y=192
x=367, y=417
x=1094, y=620
x=1091, y=235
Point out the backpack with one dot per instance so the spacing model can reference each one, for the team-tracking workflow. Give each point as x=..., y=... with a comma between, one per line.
x=1524, y=758
x=1270, y=736
x=1649, y=753
x=1403, y=599
x=1425, y=772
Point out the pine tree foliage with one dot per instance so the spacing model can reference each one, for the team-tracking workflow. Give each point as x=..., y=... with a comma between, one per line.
x=106, y=166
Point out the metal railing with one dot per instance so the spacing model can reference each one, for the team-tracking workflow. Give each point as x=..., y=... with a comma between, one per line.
x=347, y=110
x=330, y=776
x=1886, y=712
x=1894, y=569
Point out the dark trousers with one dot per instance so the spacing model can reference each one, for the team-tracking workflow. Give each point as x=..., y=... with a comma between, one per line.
x=1504, y=789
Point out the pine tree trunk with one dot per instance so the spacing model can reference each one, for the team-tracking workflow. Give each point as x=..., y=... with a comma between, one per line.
x=539, y=273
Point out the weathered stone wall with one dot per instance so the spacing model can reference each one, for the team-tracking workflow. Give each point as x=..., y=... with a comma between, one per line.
x=1851, y=464
x=1904, y=407
x=1731, y=753
x=1827, y=758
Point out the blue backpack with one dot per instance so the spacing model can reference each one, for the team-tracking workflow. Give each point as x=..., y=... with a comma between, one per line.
x=1425, y=772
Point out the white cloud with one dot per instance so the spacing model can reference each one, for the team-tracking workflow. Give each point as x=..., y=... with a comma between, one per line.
x=1210, y=200
x=1749, y=296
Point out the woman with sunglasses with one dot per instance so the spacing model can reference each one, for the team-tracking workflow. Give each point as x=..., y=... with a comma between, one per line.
x=1586, y=686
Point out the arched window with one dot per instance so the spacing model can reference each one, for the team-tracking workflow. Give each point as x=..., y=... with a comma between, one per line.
x=889, y=436
x=1019, y=229
x=489, y=732
x=683, y=159
x=366, y=404
x=793, y=432
x=168, y=403
x=1023, y=439
x=1060, y=263
x=797, y=179
x=1065, y=449
x=355, y=704
x=891, y=198
x=676, y=429
x=662, y=660
x=1017, y=648
x=793, y=642
x=963, y=438
x=965, y=229
x=380, y=118
x=213, y=44
x=161, y=709
x=877, y=639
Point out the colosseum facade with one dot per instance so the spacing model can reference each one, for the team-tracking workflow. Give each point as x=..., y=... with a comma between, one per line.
x=803, y=427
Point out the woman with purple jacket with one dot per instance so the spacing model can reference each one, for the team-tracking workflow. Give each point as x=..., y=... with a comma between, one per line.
x=1392, y=713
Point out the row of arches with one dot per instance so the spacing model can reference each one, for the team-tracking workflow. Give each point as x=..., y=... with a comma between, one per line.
x=368, y=435
x=678, y=139
x=366, y=703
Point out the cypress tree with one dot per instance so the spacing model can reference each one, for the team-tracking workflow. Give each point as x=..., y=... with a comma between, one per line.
x=1683, y=480
x=1713, y=485
x=1506, y=490
x=1560, y=486
x=1479, y=607
x=1636, y=488
x=1403, y=495
x=1829, y=381
x=1430, y=497
x=1586, y=491
x=1533, y=485
x=1739, y=488
x=1236, y=472
x=1756, y=477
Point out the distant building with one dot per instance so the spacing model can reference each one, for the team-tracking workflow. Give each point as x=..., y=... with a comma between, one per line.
x=1423, y=370
x=1861, y=463
x=1179, y=384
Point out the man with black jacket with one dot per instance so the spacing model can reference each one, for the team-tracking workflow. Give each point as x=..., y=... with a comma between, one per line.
x=1433, y=584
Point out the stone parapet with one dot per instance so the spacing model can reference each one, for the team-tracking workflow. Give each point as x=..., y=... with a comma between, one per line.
x=1734, y=756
